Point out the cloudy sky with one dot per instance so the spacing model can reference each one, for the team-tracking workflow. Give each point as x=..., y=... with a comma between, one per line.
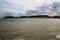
x=20, y=6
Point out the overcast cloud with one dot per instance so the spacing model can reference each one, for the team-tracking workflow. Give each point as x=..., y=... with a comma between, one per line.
x=20, y=6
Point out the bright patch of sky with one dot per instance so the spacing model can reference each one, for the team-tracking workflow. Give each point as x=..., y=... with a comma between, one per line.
x=57, y=0
x=29, y=4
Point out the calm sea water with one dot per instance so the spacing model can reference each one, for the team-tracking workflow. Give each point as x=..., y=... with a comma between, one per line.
x=31, y=27
x=21, y=19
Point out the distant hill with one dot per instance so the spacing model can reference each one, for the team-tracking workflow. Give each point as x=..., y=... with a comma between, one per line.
x=36, y=16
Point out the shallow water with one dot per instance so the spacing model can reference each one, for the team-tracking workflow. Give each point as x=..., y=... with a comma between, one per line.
x=29, y=28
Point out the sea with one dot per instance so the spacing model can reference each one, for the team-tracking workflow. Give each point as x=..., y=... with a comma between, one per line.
x=29, y=28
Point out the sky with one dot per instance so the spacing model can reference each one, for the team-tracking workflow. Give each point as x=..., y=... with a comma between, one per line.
x=21, y=6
